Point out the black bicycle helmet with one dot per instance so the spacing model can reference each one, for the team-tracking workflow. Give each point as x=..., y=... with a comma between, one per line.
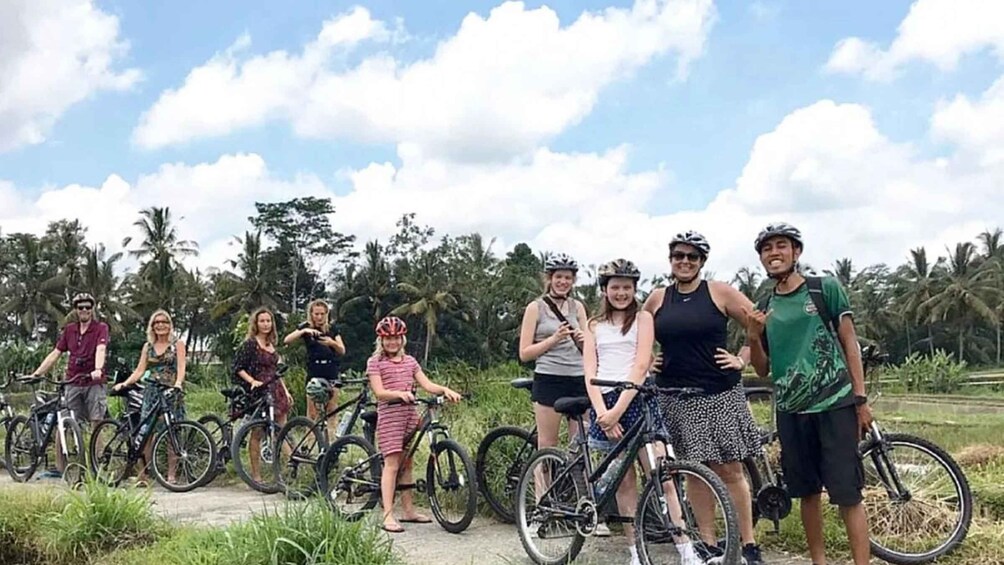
x=693, y=238
x=617, y=268
x=560, y=262
x=779, y=229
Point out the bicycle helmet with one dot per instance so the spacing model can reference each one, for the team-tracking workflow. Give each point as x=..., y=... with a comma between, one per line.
x=560, y=262
x=693, y=238
x=82, y=297
x=319, y=390
x=617, y=268
x=779, y=229
x=391, y=326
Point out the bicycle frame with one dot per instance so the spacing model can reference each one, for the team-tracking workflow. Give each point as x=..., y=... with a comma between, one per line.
x=37, y=414
x=359, y=401
x=160, y=410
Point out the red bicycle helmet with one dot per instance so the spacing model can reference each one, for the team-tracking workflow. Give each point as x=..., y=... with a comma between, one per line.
x=391, y=326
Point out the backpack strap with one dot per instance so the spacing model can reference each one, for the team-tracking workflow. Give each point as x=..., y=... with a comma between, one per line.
x=561, y=317
x=815, y=286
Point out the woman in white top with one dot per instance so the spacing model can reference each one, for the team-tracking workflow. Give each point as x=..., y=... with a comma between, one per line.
x=618, y=347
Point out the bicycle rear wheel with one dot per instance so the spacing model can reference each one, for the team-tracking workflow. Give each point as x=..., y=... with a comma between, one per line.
x=75, y=469
x=666, y=517
x=349, y=476
x=109, y=452
x=548, y=511
x=21, y=451
x=296, y=469
x=502, y=456
x=221, y=433
x=918, y=500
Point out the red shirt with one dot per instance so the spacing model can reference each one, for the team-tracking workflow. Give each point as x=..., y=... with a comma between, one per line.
x=82, y=348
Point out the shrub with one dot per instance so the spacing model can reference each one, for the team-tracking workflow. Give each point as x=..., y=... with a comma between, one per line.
x=938, y=373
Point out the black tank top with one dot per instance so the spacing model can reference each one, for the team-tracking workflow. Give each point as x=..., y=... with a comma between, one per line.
x=689, y=327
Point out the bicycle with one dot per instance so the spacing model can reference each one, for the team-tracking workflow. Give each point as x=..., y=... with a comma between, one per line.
x=941, y=494
x=349, y=473
x=6, y=414
x=28, y=437
x=132, y=404
x=558, y=498
x=188, y=443
x=499, y=463
x=297, y=469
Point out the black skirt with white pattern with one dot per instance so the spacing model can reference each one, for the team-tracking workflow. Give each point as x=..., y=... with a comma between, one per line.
x=717, y=428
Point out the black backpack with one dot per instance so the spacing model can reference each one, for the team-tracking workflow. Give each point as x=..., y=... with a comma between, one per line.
x=815, y=285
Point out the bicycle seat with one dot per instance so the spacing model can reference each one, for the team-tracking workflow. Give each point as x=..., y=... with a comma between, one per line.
x=524, y=384
x=572, y=406
x=370, y=417
x=758, y=391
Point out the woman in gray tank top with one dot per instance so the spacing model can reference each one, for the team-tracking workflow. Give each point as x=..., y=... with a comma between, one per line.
x=551, y=336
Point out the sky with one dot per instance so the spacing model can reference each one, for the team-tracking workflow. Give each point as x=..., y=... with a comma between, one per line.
x=595, y=128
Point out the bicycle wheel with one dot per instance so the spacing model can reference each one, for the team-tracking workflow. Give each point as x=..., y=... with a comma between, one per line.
x=665, y=517
x=349, y=476
x=183, y=455
x=253, y=452
x=75, y=469
x=4, y=426
x=221, y=432
x=453, y=493
x=20, y=449
x=109, y=452
x=498, y=466
x=549, y=502
x=927, y=517
x=755, y=480
x=296, y=469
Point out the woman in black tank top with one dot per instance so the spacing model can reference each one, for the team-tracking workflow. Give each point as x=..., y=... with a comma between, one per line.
x=717, y=428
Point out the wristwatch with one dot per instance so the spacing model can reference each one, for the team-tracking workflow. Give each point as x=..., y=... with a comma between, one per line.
x=860, y=399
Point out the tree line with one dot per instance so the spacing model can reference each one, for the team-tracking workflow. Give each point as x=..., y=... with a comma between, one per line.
x=462, y=297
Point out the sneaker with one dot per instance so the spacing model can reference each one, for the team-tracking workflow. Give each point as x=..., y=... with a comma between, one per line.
x=634, y=557
x=751, y=555
x=688, y=555
x=601, y=531
x=710, y=554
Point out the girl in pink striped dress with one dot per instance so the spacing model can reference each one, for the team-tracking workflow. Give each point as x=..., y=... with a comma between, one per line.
x=393, y=375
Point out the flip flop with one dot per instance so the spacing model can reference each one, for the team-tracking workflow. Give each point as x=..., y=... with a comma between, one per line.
x=421, y=520
x=393, y=530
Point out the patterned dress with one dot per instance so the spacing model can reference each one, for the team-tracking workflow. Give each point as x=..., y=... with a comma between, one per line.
x=262, y=365
x=163, y=370
x=395, y=422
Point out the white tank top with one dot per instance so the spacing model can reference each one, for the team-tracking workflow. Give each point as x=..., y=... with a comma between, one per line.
x=615, y=351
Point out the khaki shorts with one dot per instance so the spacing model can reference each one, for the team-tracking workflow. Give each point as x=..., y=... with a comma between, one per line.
x=88, y=403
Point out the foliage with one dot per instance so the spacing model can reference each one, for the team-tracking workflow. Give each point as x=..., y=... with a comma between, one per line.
x=935, y=373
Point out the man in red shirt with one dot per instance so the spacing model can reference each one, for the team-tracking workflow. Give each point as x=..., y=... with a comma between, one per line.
x=86, y=341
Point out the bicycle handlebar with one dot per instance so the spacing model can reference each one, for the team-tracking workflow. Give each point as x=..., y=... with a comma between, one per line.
x=650, y=389
x=32, y=380
x=438, y=400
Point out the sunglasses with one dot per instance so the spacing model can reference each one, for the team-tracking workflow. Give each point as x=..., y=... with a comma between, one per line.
x=680, y=256
x=83, y=308
x=162, y=323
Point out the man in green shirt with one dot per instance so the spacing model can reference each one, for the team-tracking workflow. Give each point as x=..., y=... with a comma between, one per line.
x=819, y=389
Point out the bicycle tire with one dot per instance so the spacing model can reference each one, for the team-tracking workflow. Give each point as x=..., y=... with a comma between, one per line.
x=755, y=479
x=650, y=526
x=308, y=446
x=267, y=446
x=497, y=482
x=115, y=448
x=527, y=532
x=75, y=467
x=962, y=491
x=456, y=480
x=197, y=445
x=220, y=432
x=15, y=445
x=354, y=475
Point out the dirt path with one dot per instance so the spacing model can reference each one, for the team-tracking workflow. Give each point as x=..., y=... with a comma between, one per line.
x=484, y=543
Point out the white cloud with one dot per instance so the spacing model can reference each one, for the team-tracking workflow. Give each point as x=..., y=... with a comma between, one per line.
x=499, y=87
x=935, y=31
x=53, y=54
x=976, y=126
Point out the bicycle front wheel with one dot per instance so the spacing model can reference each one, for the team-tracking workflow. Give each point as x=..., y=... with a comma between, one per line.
x=918, y=500
x=296, y=468
x=183, y=456
x=666, y=517
x=453, y=494
x=552, y=504
x=76, y=457
x=109, y=452
x=253, y=452
x=502, y=456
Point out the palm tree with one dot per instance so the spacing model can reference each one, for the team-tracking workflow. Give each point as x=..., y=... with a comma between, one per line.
x=919, y=283
x=993, y=256
x=35, y=289
x=98, y=278
x=159, y=252
x=429, y=297
x=371, y=285
x=252, y=285
x=966, y=296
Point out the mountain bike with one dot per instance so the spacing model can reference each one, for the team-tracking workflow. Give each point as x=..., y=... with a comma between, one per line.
x=349, y=473
x=28, y=437
x=182, y=454
x=502, y=455
x=562, y=495
x=6, y=413
x=917, y=497
x=297, y=469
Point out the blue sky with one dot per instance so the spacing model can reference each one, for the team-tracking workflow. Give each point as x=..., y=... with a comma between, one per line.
x=760, y=62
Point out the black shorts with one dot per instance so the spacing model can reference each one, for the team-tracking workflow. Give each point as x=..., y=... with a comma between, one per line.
x=547, y=389
x=821, y=450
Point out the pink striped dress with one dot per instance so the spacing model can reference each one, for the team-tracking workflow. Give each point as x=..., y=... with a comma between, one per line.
x=395, y=422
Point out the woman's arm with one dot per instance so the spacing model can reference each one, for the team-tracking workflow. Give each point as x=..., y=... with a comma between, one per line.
x=294, y=335
x=654, y=300
x=589, y=366
x=528, y=350
x=432, y=388
x=381, y=393
x=137, y=373
x=182, y=359
x=242, y=363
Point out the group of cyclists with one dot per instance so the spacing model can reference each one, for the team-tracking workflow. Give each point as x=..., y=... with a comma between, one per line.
x=818, y=378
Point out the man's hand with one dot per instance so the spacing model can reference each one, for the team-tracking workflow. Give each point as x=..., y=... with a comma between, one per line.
x=864, y=419
x=96, y=374
x=756, y=321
